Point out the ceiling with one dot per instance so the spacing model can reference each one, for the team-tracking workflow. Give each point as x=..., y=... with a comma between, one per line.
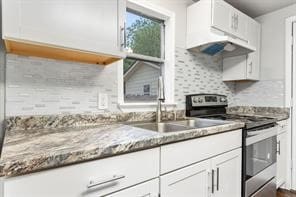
x=256, y=8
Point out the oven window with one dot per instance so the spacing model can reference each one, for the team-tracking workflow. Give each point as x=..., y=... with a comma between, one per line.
x=260, y=156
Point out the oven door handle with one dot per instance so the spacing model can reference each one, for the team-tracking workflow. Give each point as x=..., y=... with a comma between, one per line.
x=261, y=135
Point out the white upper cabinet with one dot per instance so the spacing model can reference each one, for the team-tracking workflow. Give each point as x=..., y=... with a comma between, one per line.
x=241, y=25
x=230, y=20
x=222, y=16
x=214, y=21
x=85, y=25
x=245, y=67
x=253, y=59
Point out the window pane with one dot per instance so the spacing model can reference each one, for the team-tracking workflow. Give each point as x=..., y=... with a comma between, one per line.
x=140, y=81
x=143, y=35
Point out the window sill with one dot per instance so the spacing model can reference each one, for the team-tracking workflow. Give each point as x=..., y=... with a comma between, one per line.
x=140, y=107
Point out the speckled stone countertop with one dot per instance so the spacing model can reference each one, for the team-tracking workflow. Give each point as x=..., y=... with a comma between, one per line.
x=41, y=149
x=35, y=143
x=279, y=113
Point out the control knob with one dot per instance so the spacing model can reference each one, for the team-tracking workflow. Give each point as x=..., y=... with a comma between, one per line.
x=223, y=100
x=197, y=100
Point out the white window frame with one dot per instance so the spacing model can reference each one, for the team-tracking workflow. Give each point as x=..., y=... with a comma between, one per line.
x=168, y=17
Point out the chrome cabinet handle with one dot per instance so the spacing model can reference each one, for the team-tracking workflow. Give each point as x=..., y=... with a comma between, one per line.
x=236, y=22
x=213, y=179
x=122, y=37
x=232, y=22
x=218, y=177
x=279, y=147
x=251, y=68
x=102, y=182
x=209, y=185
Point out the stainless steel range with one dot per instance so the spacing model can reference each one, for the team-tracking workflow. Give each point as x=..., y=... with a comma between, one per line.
x=258, y=144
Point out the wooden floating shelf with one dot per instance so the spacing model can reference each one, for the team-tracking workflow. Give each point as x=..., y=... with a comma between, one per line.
x=46, y=51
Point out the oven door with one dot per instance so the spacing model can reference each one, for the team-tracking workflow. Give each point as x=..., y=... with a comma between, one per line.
x=260, y=159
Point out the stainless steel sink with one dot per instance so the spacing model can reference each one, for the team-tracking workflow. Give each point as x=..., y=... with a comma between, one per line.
x=201, y=123
x=162, y=127
x=183, y=125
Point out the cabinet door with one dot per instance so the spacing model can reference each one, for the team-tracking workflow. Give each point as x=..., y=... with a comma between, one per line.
x=191, y=181
x=253, y=60
x=227, y=174
x=222, y=16
x=253, y=66
x=281, y=159
x=234, y=68
x=88, y=25
x=148, y=189
x=241, y=25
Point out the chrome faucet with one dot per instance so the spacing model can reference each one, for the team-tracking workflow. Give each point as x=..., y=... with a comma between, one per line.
x=160, y=99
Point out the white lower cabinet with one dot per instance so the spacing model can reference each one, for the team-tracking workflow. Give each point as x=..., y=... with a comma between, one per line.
x=219, y=176
x=191, y=181
x=148, y=189
x=206, y=166
x=281, y=176
x=227, y=174
x=89, y=179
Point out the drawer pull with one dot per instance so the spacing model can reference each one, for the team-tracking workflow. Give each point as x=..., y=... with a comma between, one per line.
x=213, y=178
x=101, y=182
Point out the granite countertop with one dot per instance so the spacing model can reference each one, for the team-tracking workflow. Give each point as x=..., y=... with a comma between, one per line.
x=36, y=150
x=278, y=113
x=36, y=143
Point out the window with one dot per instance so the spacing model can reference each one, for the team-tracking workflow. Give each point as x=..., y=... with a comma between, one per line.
x=149, y=43
x=136, y=77
x=144, y=45
x=146, y=90
x=144, y=35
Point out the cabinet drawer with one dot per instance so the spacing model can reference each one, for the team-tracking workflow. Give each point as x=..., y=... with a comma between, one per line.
x=282, y=126
x=178, y=155
x=147, y=189
x=90, y=179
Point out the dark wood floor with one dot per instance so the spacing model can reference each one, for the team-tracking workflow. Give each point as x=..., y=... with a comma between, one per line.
x=284, y=193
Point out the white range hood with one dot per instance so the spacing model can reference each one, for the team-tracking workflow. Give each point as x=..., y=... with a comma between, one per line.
x=225, y=45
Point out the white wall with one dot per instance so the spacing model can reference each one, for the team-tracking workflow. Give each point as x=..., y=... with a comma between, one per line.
x=273, y=43
x=269, y=91
x=179, y=7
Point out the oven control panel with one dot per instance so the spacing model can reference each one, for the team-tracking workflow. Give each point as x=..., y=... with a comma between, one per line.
x=208, y=100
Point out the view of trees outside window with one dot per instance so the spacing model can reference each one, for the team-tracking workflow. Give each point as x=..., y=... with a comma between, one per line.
x=143, y=37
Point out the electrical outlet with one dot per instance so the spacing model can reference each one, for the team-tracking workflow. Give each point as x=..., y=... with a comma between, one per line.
x=103, y=101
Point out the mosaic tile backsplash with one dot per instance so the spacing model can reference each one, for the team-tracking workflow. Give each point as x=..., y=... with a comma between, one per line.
x=199, y=73
x=41, y=86
x=264, y=93
x=37, y=86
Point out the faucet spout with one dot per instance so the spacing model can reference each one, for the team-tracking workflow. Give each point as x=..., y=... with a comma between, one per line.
x=160, y=99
